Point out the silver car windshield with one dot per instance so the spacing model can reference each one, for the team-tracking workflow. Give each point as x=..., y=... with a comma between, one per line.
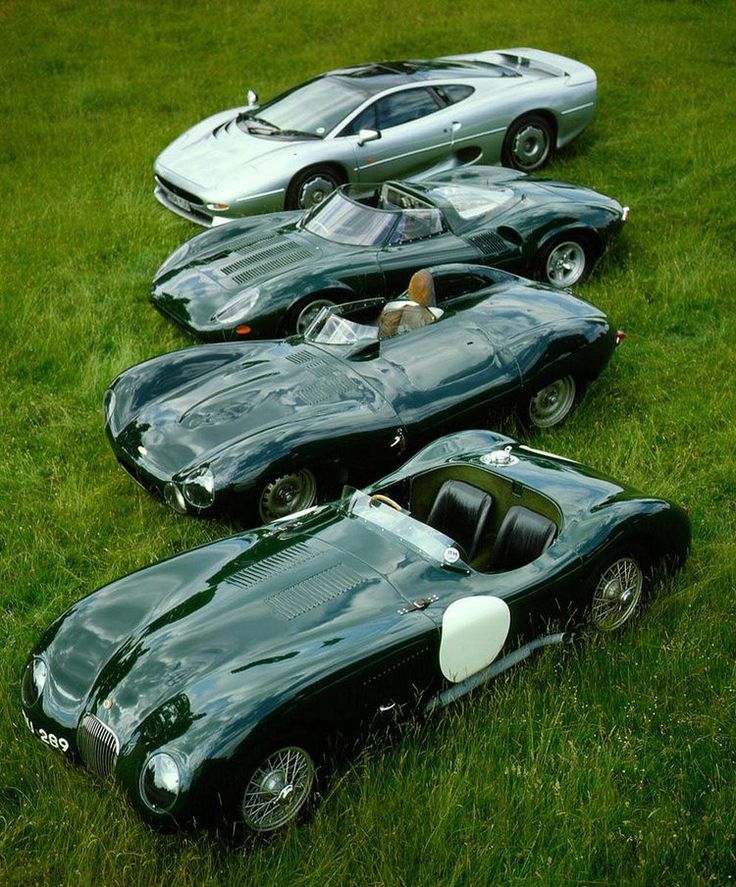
x=315, y=108
x=343, y=221
x=413, y=533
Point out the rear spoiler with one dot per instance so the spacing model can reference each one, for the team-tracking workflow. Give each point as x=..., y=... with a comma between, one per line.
x=522, y=57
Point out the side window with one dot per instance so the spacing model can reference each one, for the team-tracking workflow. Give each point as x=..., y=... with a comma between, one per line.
x=454, y=93
x=365, y=120
x=401, y=107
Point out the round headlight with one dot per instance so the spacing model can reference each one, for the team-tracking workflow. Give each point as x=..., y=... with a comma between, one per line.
x=160, y=782
x=199, y=488
x=236, y=308
x=34, y=680
x=174, y=498
x=108, y=405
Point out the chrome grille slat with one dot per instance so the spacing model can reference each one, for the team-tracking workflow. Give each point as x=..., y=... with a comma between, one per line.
x=98, y=746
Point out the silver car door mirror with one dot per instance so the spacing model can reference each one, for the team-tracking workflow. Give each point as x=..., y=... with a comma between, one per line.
x=252, y=97
x=368, y=135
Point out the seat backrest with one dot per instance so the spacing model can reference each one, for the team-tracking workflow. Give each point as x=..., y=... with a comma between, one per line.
x=461, y=511
x=522, y=537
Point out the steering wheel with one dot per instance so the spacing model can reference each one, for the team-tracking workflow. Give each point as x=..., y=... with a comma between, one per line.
x=379, y=497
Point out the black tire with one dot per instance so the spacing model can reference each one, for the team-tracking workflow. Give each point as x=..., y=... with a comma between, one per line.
x=565, y=260
x=617, y=588
x=552, y=404
x=528, y=143
x=287, y=493
x=301, y=316
x=310, y=186
x=277, y=790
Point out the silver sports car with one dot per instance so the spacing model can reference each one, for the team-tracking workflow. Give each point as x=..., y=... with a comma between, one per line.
x=372, y=123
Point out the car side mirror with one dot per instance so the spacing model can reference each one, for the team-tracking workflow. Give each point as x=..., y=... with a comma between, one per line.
x=252, y=97
x=368, y=135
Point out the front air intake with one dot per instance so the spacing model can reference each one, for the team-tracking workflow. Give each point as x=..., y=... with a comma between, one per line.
x=98, y=746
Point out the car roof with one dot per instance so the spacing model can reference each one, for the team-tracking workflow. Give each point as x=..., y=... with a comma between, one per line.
x=378, y=76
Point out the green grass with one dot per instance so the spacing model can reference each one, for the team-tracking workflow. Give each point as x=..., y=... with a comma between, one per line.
x=611, y=763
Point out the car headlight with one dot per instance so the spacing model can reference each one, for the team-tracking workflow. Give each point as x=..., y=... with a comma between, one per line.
x=199, y=488
x=160, y=782
x=34, y=680
x=108, y=405
x=237, y=307
x=218, y=207
x=174, y=498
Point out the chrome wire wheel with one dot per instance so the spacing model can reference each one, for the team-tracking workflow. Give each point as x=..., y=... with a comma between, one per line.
x=530, y=146
x=287, y=494
x=278, y=789
x=552, y=404
x=617, y=594
x=307, y=314
x=565, y=264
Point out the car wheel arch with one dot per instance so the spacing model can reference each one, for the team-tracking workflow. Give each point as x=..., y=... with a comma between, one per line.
x=334, y=293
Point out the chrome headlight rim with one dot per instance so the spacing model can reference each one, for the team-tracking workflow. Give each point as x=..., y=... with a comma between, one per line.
x=35, y=676
x=238, y=308
x=165, y=766
x=198, y=487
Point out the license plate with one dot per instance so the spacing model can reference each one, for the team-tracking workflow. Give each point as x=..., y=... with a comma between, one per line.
x=179, y=201
x=50, y=739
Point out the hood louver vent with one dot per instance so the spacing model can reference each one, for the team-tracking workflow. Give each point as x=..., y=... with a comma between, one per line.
x=304, y=357
x=266, y=257
x=489, y=243
x=314, y=592
x=329, y=389
x=271, y=566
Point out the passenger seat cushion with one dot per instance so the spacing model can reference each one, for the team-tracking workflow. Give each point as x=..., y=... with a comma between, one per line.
x=461, y=511
x=522, y=537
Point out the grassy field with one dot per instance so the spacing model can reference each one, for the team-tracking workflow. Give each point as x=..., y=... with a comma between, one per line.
x=612, y=763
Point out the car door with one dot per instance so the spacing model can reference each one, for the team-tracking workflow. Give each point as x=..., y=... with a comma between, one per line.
x=398, y=261
x=411, y=135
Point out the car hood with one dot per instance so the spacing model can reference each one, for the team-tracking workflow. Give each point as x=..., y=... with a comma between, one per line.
x=246, y=621
x=194, y=288
x=220, y=156
x=261, y=389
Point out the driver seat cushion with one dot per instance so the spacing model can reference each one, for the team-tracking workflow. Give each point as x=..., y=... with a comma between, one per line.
x=461, y=511
x=522, y=537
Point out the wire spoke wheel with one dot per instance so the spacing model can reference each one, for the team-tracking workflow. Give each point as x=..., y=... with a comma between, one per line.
x=287, y=494
x=278, y=789
x=565, y=264
x=617, y=594
x=552, y=404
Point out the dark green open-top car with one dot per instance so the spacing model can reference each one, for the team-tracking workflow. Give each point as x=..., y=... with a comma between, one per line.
x=210, y=683
x=267, y=276
x=259, y=429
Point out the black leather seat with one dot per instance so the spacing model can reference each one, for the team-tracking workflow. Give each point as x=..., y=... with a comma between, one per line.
x=521, y=538
x=461, y=511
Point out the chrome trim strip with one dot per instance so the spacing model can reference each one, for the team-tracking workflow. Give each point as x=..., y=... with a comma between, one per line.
x=262, y=194
x=578, y=108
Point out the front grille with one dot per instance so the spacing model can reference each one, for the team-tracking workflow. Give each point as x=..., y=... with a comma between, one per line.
x=98, y=746
x=175, y=189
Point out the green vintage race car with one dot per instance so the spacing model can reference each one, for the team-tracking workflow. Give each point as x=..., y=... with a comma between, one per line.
x=267, y=276
x=210, y=684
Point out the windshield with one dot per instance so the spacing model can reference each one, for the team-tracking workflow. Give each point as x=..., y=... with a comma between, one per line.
x=329, y=328
x=313, y=109
x=343, y=221
x=413, y=533
x=470, y=203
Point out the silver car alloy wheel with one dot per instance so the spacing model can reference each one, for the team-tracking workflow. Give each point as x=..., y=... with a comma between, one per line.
x=565, y=264
x=314, y=190
x=551, y=404
x=288, y=493
x=530, y=147
x=278, y=789
x=617, y=594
